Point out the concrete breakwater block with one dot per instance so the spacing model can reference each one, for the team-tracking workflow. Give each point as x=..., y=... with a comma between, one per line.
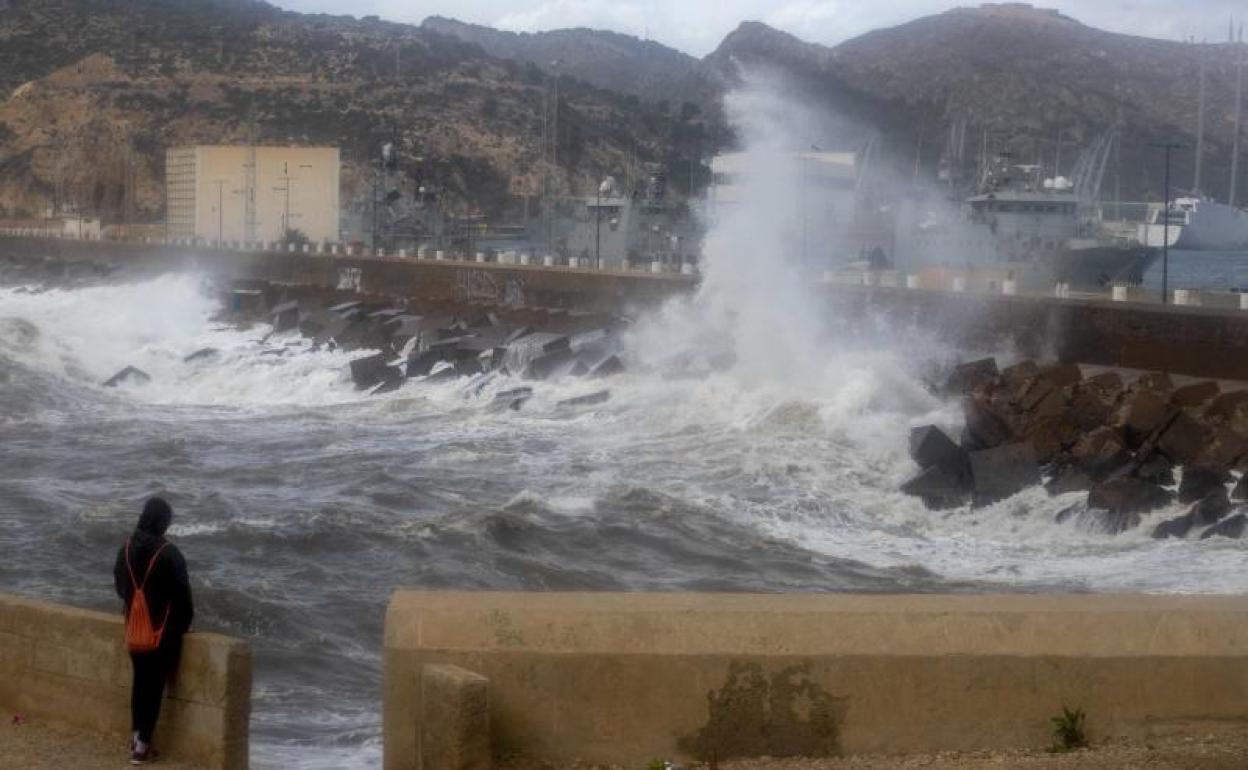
x=454, y=719
x=1002, y=472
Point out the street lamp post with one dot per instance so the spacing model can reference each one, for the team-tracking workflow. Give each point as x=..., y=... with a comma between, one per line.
x=598, y=228
x=1168, y=147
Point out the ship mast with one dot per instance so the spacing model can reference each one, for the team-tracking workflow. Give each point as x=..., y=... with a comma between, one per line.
x=1239, y=114
x=1200, y=123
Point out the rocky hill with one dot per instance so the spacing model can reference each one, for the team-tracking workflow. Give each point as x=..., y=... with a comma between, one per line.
x=93, y=91
x=605, y=59
x=1018, y=77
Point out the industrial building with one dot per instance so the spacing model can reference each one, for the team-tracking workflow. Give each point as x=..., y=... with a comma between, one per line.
x=249, y=193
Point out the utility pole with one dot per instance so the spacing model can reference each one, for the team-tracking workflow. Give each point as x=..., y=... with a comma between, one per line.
x=1239, y=116
x=598, y=228
x=1200, y=122
x=1165, y=227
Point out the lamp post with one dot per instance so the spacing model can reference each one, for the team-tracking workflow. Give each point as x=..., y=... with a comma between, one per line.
x=598, y=228
x=1168, y=147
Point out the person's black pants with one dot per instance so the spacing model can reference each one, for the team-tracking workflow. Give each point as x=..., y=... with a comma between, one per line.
x=151, y=671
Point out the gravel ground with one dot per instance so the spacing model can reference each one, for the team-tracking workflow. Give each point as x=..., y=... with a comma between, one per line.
x=36, y=746
x=1222, y=752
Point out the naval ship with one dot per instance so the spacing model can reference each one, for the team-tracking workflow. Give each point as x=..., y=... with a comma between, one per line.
x=1019, y=227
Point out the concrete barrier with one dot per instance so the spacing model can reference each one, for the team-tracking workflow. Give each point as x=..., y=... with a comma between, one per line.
x=454, y=719
x=68, y=665
x=625, y=678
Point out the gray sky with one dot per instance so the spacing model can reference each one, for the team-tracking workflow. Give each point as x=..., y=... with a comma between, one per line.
x=697, y=26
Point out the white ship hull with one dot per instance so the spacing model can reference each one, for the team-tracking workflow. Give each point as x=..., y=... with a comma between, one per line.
x=1199, y=225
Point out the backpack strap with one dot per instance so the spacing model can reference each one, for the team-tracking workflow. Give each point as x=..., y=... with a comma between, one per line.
x=134, y=582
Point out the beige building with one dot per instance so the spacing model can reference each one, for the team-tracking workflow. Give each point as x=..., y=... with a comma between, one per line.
x=248, y=193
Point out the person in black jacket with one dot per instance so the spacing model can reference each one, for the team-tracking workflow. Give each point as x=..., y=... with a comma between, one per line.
x=168, y=592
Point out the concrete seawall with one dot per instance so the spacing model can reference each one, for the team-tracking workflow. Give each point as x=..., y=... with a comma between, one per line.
x=1201, y=342
x=67, y=665
x=630, y=677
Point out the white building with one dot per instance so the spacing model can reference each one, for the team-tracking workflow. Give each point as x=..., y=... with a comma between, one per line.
x=249, y=194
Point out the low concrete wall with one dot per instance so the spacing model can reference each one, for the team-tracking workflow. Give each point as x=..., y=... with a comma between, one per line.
x=70, y=666
x=630, y=677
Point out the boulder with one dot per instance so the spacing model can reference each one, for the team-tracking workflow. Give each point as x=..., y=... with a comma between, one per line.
x=1195, y=394
x=1233, y=527
x=970, y=376
x=1240, y=493
x=1050, y=436
x=1088, y=410
x=130, y=374
x=1224, y=450
x=334, y=330
x=1117, y=522
x=1128, y=495
x=370, y=371
x=1062, y=375
x=1199, y=481
x=1225, y=405
x=611, y=365
x=1177, y=527
x=1016, y=375
x=1002, y=472
x=1034, y=392
x=549, y=364
x=285, y=316
x=986, y=426
x=938, y=490
x=1142, y=413
x=599, y=397
x=1211, y=508
x=1157, y=470
x=1182, y=440
x=1108, y=384
x=421, y=363
x=512, y=399
x=313, y=323
x=931, y=446
x=1069, y=479
x=203, y=354
x=1100, y=452
x=1156, y=381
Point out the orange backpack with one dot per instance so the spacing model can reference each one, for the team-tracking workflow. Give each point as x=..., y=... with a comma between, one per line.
x=140, y=635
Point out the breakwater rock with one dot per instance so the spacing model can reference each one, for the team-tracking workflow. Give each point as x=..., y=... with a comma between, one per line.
x=399, y=342
x=1134, y=448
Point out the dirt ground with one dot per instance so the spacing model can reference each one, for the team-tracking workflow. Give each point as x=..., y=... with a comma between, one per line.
x=36, y=746
x=1222, y=752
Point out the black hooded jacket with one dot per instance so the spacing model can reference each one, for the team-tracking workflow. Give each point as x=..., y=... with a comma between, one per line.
x=168, y=587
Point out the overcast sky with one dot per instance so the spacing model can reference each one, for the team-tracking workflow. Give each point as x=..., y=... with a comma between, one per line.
x=697, y=26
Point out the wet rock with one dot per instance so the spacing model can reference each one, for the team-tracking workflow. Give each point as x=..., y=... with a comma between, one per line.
x=1211, y=508
x=1088, y=410
x=1117, y=522
x=591, y=399
x=371, y=371
x=931, y=446
x=1233, y=527
x=285, y=317
x=1100, y=452
x=203, y=354
x=1195, y=394
x=970, y=376
x=1069, y=479
x=1017, y=375
x=346, y=308
x=1107, y=384
x=311, y=324
x=1142, y=413
x=1183, y=440
x=937, y=489
x=1062, y=375
x=512, y=399
x=549, y=364
x=421, y=363
x=334, y=330
x=1224, y=450
x=986, y=426
x=607, y=367
x=1050, y=436
x=1157, y=470
x=1159, y=382
x=1002, y=472
x=1199, y=481
x=1240, y=492
x=1226, y=404
x=131, y=375
x=1128, y=495
x=1177, y=527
